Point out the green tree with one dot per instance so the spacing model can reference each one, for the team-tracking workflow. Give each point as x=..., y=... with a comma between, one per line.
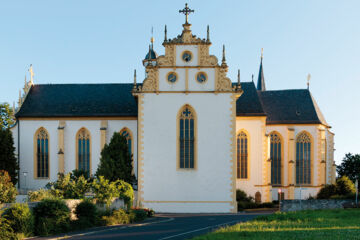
x=7, y=190
x=344, y=186
x=6, y=116
x=116, y=161
x=350, y=167
x=8, y=161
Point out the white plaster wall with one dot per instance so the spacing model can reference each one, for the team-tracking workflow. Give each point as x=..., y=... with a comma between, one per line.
x=253, y=127
x=165, y=85
x=211, y=181
x=27, y=131
x=29, y=127
x=208, y=85
x=191, y=48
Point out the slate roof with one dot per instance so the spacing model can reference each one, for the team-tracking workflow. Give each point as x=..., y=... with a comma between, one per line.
x=106, y=100
x=291, y=107
x=79, y=100
x=249, y=103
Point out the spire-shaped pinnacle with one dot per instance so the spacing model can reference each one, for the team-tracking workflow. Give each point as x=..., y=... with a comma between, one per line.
x=223, y=57
x=208, y=34
x=152, y=37
x=252, y=77
x=134, y=78
x=165, y=38
x=308, y=81
x=238, y=78
x=31, y=74
x=261, y=79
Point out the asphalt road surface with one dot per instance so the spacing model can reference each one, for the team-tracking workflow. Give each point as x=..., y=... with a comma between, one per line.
x=163, y=226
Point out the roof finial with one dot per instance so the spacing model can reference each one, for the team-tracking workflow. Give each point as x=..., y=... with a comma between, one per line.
x=308, y=81
x=223, y=55
x=31, y=74
x=186, y=11
x=165, y=39
x=208, y=34
x=238, y=77
x=261, y=79
x=262, y=53
x=134, y=78
x=152, y=37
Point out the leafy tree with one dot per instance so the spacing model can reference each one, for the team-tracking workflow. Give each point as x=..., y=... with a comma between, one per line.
x=8, y=161
x=7, y=190
x=350, y=167
x=6, y=116
x=344, y=186
x=116, y=162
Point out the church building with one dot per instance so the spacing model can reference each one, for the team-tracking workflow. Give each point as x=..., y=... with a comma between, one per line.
x=195, y=135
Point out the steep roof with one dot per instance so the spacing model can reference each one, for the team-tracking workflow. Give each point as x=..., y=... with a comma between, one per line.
x=79, y=100
x=249, y=103
x=291, y=107
x=106, y=100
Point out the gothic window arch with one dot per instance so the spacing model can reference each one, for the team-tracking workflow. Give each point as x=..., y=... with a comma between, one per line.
x=83, y=150
x=187, y=138
x=41, y=159
x=276, y=146
x=303, y=158
x=129, y=139
x=242, y=143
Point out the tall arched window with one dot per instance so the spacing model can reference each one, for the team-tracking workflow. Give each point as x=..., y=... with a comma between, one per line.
x=275, y=156
x=42, y=153
x=242, y=155
x=83, y=150
x=127, y=134
x=303, y=159
x=187, y=128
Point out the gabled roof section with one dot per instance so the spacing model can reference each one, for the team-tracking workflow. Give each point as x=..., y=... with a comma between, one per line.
x=291, y=107
x=249, y=103
x=79, y=100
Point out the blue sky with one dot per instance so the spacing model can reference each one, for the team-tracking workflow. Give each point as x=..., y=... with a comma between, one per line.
x=86, y=41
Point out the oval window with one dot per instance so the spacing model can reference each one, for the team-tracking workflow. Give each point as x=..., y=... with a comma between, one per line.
x=186, y=56
x=172, y=77
x=201, y=77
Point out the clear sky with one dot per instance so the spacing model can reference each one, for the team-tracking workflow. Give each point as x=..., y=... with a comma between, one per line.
x=87, y=41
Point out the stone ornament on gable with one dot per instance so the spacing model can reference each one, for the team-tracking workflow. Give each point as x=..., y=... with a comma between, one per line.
x=223, y=83
x=205, y=58
x=169, y=58
x=150, y=82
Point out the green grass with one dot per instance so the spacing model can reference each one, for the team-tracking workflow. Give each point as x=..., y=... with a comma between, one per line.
x=315, y=224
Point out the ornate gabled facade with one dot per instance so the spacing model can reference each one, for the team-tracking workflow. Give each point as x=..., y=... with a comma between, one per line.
x=195, y=135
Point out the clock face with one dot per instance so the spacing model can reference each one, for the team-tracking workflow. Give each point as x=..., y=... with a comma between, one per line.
x=186, y=56
x=172, y=77
x=201, y=77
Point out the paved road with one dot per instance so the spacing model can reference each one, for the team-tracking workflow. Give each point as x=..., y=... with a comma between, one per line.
x=165, y=226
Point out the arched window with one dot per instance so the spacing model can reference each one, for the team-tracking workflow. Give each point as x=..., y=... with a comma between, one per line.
x=41, y=153
x=242, y=155
x=127, y=134
x=83, y=150
x=187, y=128
x=303, y=159
x=275, y=156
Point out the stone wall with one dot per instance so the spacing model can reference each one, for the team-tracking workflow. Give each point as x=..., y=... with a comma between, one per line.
x=296, y=205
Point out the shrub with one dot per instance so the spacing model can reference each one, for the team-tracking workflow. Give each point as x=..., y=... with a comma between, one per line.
x=242, y=196
x=41, y=194
x=326, y=192
x=126, y=192
x=51, y=216
x=137, y=215
x=344, y=186
x=117, y=217
x=7, y=190
x=20, y=218
x=69, y=187
x=104, y=190
x=86, y=213
x=6, y=231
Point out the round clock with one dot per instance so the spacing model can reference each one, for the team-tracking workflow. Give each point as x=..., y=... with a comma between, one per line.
x=201, y=77
x=186, y=56
x=172, y=77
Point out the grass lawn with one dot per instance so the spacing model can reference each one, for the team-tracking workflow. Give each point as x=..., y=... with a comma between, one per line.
x=315, y=224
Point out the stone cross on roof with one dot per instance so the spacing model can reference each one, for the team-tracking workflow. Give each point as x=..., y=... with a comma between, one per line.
x=186, y=11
